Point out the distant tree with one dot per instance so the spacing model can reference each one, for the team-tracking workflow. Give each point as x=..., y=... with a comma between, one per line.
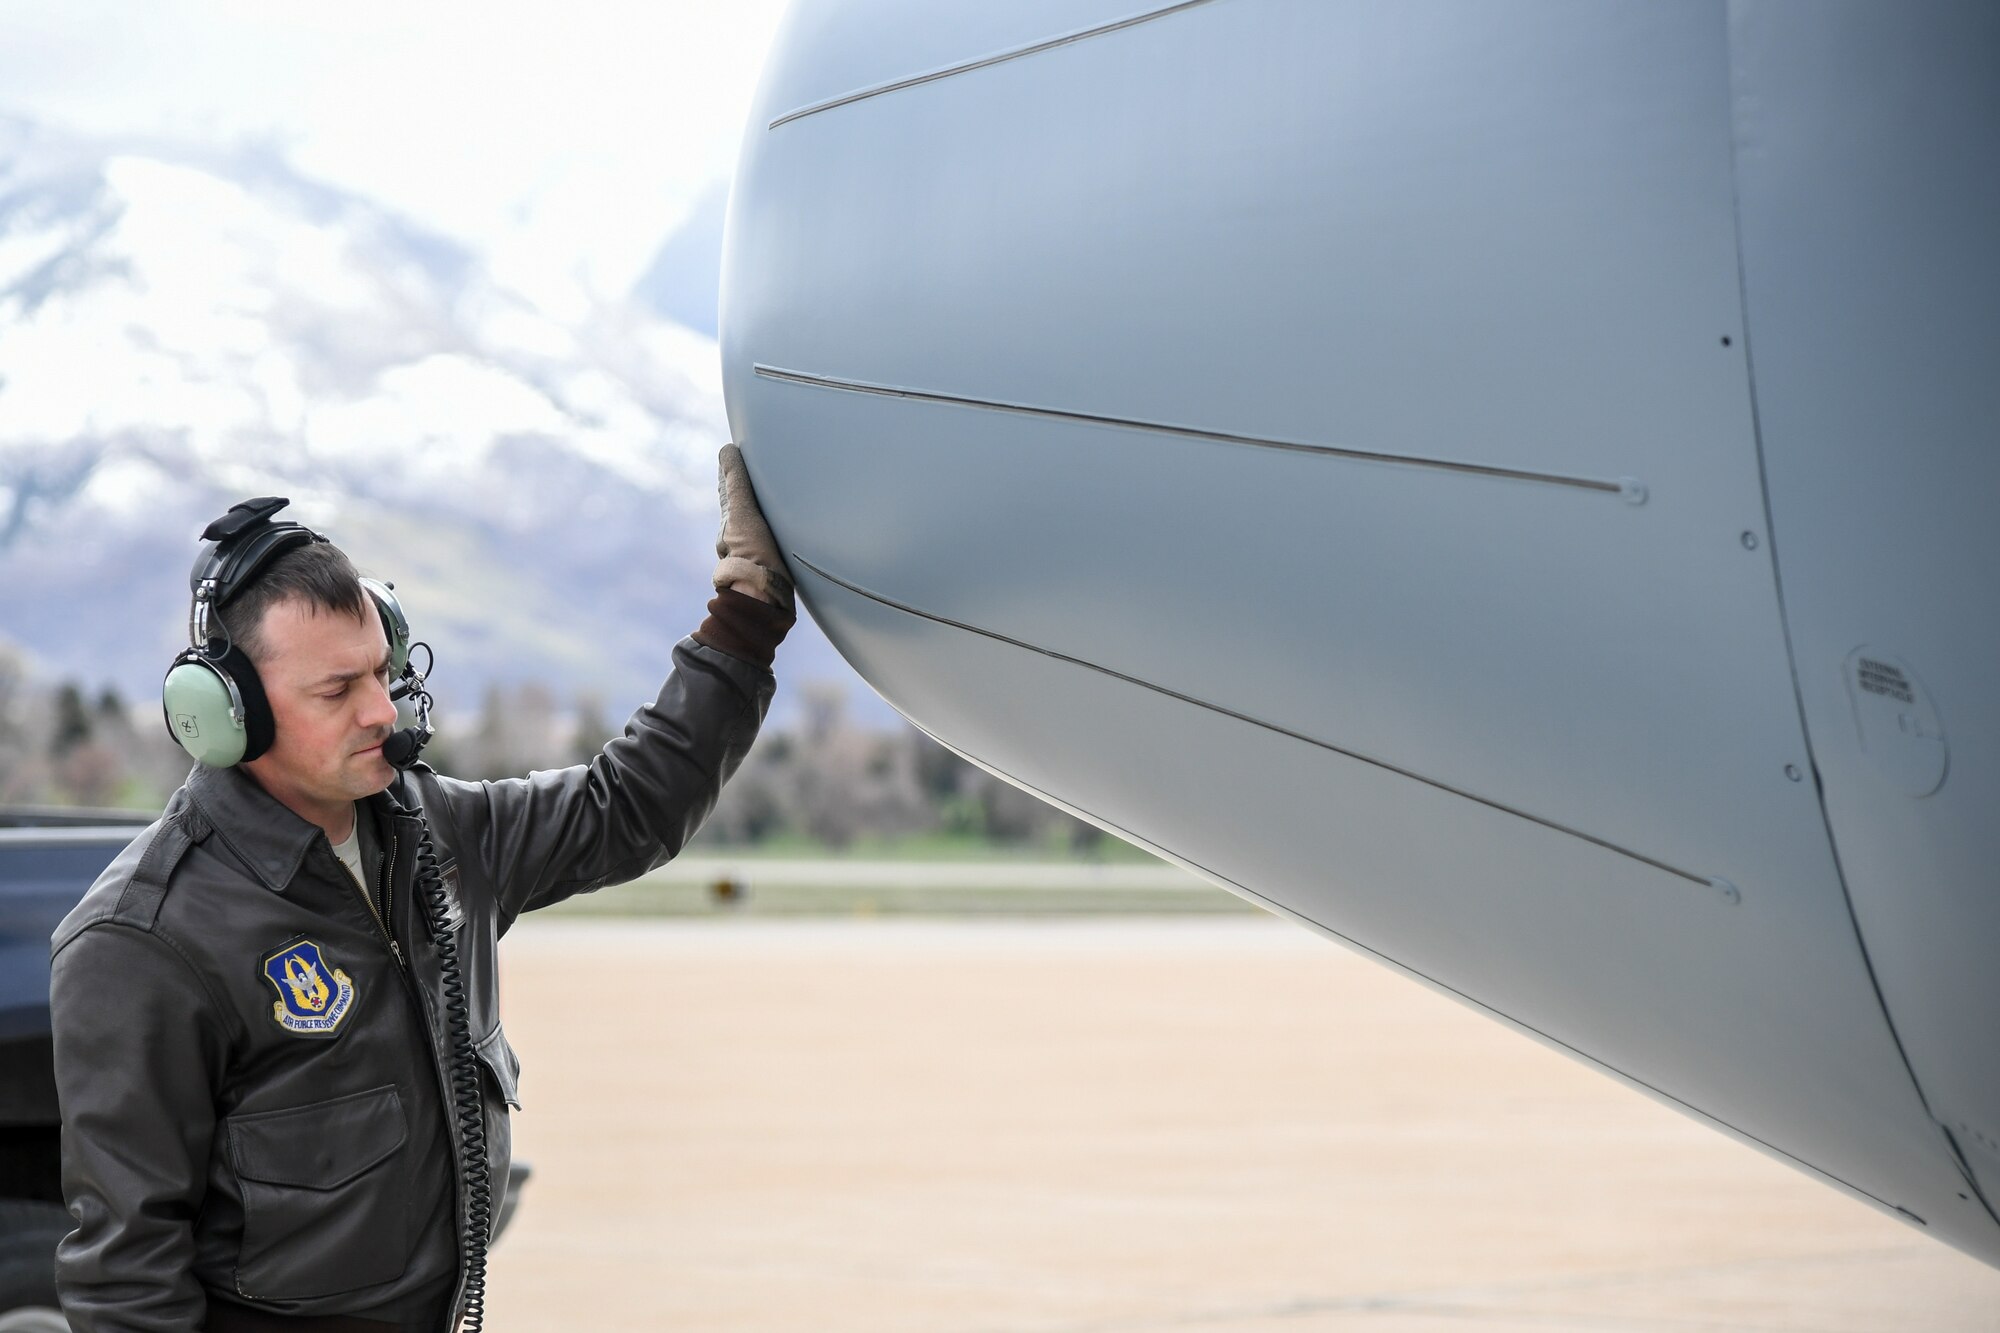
x=836, y=783
x=758, y=802
x=756, y=810
x=20, y=760
x=145, y=765
x=72, y=720
x=940, y=773
x=849, y=782
x=493, y=743
x=110, y=721
x=13, y=690
x=535, y=730
x=446, y=748
x=444, y=755
x=1012, y=815
x=825, y=704
x=90, y=773
x=589, y=731
x=829, y=801
x=1086, y=837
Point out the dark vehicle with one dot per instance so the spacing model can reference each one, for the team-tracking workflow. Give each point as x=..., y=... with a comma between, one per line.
x=48, y=858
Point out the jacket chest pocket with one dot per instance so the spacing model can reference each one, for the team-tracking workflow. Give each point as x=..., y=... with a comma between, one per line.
x=325, y=1210
x=500, y=1084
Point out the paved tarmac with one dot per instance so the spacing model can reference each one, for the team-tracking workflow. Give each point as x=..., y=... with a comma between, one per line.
x=1223, y=1125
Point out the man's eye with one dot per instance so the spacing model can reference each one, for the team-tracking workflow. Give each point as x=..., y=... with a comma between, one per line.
x=336, y=694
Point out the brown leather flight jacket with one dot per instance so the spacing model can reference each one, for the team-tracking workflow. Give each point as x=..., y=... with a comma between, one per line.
x=249, y=1054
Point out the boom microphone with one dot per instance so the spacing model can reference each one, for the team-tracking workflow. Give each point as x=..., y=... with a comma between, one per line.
x=403, y=747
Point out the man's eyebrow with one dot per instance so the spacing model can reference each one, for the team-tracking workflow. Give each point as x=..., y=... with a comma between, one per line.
x=342, y=677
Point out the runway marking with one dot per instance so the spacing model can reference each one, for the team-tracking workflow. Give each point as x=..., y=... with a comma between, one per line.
x=1630, y=489
x=985, y=62
x=1705, y=881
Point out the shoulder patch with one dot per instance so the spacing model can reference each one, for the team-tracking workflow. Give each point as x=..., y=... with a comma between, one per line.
x=313, y=995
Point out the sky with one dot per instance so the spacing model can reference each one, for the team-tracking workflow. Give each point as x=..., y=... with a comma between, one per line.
x=560, y=142
x=563, y=145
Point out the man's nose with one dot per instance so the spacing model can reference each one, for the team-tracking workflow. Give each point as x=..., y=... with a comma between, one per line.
x=377, y=710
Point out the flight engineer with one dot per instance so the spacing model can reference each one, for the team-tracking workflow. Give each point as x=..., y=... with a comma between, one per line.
x=252, y=1013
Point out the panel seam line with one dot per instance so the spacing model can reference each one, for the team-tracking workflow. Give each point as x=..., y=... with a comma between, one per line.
x=1630, y=489
x=982, y=62
x=1642, y=858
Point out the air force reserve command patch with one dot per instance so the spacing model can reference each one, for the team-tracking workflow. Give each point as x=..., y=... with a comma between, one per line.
x=312, y=996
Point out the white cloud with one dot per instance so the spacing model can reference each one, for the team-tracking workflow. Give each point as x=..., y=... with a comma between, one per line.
x=560, y=142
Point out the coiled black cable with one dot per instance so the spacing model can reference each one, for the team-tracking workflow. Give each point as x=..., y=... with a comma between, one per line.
x=468, y=1100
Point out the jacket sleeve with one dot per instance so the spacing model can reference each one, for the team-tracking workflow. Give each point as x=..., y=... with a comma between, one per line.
x=550, y=835
x=137, y=1059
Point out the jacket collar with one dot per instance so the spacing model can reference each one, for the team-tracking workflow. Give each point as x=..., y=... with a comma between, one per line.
x=388, y=806
x=263, y=833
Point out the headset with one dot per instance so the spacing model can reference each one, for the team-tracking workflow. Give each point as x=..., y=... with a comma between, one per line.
x=214, y=702
x=217, y=711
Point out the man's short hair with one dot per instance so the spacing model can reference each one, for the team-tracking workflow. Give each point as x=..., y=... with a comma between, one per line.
x=318, y=574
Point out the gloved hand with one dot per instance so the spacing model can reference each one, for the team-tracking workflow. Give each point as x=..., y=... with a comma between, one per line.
x=751, y=562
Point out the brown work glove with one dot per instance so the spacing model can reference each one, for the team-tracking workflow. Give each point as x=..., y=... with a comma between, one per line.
x=751, y=562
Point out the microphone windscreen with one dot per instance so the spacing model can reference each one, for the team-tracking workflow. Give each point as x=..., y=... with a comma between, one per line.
x=402, y=747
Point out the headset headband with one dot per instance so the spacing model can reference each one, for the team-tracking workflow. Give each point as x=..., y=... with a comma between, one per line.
x=239, y=544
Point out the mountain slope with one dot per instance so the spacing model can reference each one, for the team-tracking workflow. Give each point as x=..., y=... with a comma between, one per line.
x=182, y=327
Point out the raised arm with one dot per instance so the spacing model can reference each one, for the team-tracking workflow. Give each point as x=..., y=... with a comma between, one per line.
x=542, y=838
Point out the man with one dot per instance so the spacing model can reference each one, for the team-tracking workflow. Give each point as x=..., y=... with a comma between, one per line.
x=254, y=1036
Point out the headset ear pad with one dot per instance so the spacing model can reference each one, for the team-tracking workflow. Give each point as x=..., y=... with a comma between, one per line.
x=395, y=624
x=200, y=712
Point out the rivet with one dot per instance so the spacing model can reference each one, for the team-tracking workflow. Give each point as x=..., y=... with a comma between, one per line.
x=1749, y=541
x=1792, y=772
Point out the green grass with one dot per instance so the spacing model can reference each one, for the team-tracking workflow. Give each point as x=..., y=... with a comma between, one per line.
x=647, y=898
x=957, y=847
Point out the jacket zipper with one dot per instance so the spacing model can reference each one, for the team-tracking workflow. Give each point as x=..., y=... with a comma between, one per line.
x=382, y=914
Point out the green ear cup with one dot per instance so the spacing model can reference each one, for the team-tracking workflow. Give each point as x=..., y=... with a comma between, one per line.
x=395, y=624
x=216, y=709
x=202, y=715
